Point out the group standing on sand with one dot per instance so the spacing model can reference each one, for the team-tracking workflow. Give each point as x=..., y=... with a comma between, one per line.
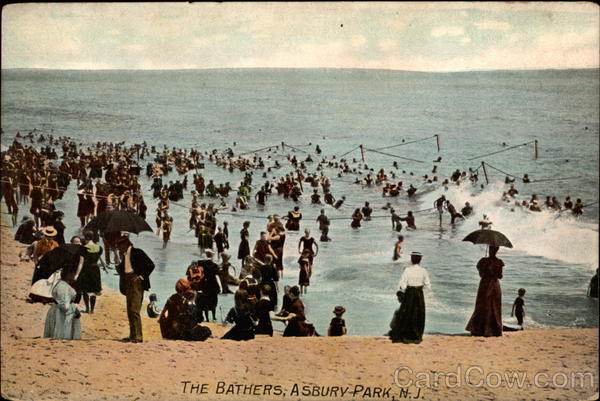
x=107, y=178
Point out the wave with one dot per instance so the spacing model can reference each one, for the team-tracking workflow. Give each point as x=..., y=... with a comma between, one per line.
x=547, y=234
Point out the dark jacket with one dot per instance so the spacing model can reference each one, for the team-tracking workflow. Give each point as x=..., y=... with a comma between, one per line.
x=141, y=265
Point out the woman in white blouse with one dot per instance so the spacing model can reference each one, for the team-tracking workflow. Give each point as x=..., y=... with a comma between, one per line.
x=408, y=323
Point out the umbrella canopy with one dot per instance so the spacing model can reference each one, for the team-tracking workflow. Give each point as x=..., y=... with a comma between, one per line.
x=118, y=220
x=488, y=237
x=63, y=257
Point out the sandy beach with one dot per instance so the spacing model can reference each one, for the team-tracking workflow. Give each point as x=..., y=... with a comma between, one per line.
x=99, y=367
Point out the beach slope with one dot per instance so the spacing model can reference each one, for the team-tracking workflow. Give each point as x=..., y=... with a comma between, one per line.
x=99, y=367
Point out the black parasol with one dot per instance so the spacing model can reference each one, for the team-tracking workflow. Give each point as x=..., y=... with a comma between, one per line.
x=118, y=220
x=63, y=257
x=488, y=237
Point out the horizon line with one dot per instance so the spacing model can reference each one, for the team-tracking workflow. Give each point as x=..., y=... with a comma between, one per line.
x=302, y=68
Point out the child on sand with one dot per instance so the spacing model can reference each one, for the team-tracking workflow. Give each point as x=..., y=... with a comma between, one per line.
x=518, y=308
x=337, y=326
x=152, y=308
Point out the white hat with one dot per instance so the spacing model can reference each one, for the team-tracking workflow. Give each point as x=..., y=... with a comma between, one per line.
x=49, y=231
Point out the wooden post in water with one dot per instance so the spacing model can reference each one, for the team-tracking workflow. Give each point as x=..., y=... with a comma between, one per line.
x=282, y=145
x=362, y=153
x=487, y=181
x=535, y=148
x=437, y=138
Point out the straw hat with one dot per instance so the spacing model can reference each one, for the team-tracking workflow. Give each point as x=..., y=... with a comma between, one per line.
x=49, y=231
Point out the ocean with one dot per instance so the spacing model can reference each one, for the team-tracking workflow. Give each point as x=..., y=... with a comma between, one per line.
x=474, y=113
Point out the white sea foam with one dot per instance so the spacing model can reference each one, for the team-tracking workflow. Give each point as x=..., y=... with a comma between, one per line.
x=548, y=234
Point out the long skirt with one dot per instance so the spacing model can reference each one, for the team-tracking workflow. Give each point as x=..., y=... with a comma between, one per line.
x=487, y=317
x=243, y=250
x=408, y=323
x=304, y=278
x=90, y=280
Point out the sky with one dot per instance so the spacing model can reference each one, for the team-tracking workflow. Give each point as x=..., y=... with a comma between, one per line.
x=400, y=36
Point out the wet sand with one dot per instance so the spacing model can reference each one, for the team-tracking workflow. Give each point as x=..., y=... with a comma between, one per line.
x=99, y=367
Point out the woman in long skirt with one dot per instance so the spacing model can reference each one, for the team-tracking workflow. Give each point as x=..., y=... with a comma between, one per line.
x=244, y=248
x=487, y=318
x=62, y=319
x=408, y=323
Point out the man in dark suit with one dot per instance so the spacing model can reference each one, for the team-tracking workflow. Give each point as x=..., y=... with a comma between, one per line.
x=134, y=271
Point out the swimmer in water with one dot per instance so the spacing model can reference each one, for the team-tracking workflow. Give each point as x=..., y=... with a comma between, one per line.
x=485, y=223
x=439, y=205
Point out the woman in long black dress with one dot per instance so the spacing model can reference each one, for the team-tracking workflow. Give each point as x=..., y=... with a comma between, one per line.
x=244, y=248
x=408, y=323
x=487, y=318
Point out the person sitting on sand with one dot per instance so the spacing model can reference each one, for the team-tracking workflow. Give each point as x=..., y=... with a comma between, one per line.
x=44, y=245
x=241, y=315
x=180, y=318
x=297, y=326
x=152, y=308
x=25, y=232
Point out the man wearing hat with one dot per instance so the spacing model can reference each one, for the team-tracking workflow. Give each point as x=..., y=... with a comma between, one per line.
x=134, y=271
x=408, y=323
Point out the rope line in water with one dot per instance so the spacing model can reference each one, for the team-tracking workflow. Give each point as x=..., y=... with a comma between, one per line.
x=405, y=143
x=391, y=155
x=555, y=179
x=495, y=168
x=293, y=147
x=350, y=151
x=540, y=180
x=500, y=151
x=258, y=150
